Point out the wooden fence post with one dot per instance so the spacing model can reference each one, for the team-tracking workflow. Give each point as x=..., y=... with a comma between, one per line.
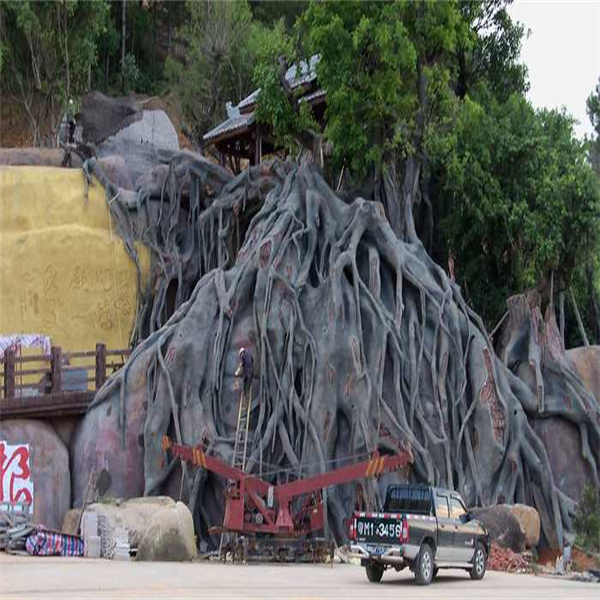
x=9, y=373
x=100, y=365
x=56, y=369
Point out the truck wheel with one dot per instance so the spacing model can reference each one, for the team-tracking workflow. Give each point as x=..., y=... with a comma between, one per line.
x=374, y=572
x=424, y=565
x=479, y=562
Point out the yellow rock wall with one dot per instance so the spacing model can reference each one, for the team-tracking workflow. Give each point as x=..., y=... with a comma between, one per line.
x=63, y=272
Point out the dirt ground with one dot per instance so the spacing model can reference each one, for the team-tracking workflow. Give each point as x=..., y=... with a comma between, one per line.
x=28, y=577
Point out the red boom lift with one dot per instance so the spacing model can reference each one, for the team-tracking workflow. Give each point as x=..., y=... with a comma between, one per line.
x=254, y=506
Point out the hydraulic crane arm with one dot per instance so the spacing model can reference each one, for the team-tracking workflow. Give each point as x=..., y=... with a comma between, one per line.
x=375, y=466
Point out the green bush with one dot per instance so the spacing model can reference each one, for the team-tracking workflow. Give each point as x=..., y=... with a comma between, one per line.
x=130, y=74
x=587, y=520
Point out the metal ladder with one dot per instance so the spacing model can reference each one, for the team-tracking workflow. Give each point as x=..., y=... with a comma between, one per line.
x=241, y=435
x=241, y=443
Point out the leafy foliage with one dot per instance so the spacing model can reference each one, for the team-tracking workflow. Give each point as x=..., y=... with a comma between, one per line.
x=502, y=189
x=587, y=520
x=521, y=200
x=271, y=12
x=593, y=110
x=48, y=51
x=222, y=44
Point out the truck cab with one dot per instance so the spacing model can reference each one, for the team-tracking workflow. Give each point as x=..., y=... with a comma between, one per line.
x=422, y=527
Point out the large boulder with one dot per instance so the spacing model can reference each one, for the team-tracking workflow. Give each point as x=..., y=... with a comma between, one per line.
x=48, y=465
x=140, y=143
x=502, y=525
x=170, y=535
x=529, y=520
x=586, y=361
x=562, y=441
x=134, y=515
x=102, y=116
x=112, y=442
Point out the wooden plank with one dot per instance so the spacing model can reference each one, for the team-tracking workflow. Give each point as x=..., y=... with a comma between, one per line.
x=46, y=405
x=117, y=352
x=78, y=368
x=56, y=369
x=9, y=373
x=32, y=358
x=100, y=365
x=19, y=372
x=81, y=354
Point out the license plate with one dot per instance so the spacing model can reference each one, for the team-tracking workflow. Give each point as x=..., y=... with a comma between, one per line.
x=378, y=530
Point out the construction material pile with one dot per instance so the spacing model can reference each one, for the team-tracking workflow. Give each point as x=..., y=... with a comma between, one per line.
x=504, y=559
x=14, y=528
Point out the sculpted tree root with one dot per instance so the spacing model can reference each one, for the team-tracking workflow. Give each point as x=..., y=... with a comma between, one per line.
x=360, y=342
x=563, y=408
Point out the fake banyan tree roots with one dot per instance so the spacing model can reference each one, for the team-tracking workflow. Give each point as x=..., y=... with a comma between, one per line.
x=359, y=341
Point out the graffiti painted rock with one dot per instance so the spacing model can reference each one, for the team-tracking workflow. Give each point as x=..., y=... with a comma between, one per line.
x=587, y=363
x=529, y=520
x=38, y=456
x=170, y=535
x=502, y=525
x=112, y=444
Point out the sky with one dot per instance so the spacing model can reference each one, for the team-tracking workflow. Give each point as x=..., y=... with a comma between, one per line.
x=562, y=53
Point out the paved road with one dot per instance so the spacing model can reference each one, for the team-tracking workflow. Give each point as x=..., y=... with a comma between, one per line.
x=28, y=577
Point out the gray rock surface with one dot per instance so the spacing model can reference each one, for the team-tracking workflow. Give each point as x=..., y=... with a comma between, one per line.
x=49, y=465
x=102, y=116
x=134, y=515
x=97, y=444
x=529, y=520
x=140, y=142
x=170, y=535
x=502, y=525
x=586, y=361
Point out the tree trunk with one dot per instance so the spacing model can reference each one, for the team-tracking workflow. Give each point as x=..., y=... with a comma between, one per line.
x=123, y=37
x=106, y=70
x=154, y=71
x=579, y=321
x=561, y=304
x=593, y=311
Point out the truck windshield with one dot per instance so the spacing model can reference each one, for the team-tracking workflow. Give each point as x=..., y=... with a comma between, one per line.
x=407, y=499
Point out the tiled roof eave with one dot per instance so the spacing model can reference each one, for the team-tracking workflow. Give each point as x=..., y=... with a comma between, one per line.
x=230, y=126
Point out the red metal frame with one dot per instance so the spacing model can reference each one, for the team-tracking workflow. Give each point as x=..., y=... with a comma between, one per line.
x=253, y=505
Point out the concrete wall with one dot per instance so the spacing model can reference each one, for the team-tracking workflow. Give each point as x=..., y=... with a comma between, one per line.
x=63, y=272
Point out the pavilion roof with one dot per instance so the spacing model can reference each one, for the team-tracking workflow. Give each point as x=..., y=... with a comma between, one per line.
x=240, y=117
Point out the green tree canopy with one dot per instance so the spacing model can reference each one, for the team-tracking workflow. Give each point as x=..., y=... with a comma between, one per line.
x=518, y=200
x=222, y=45
x=48, y=51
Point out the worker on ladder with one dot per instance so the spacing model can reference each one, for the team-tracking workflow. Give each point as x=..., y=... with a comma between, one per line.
x=245, y=369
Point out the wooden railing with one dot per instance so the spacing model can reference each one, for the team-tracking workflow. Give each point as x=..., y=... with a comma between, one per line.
x=59, y=372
